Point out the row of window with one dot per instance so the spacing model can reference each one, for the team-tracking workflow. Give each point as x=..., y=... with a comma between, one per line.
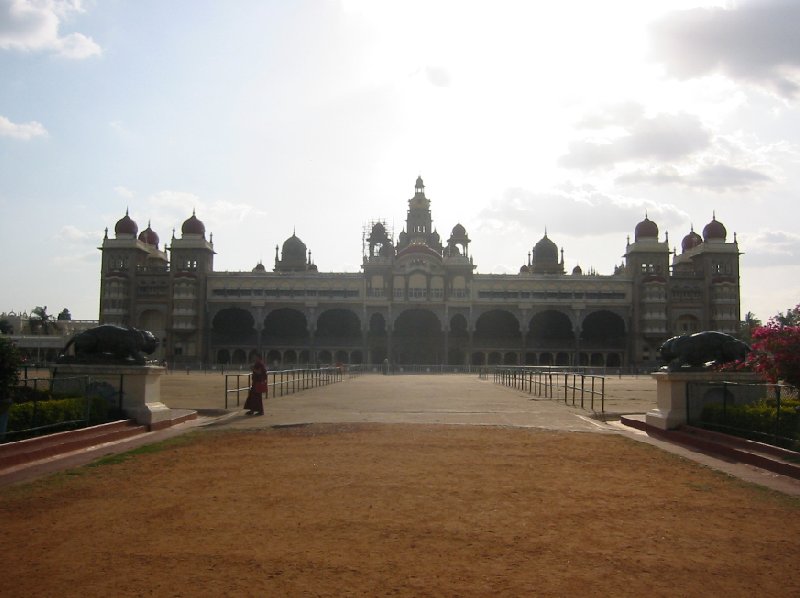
x=290, y=293
x=550, y=295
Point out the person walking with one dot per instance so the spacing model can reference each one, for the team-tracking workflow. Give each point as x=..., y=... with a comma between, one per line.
x=258, y=385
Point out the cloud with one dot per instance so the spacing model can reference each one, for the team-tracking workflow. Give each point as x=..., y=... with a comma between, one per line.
x=72, y=233
x=573, y=211
x=124, y=192
x=664, y=137
x=34, y=26
x=717, y=177
x=622, y=113
x=168, y=209
x=23, y=131
x=76, y=261
x=756, y=42
x=771, y=248
x=437, y=76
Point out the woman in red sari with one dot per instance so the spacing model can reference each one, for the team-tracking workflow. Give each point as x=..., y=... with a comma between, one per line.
x=258, y=385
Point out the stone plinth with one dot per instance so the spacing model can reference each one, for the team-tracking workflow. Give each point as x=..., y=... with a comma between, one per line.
x=671, y=397
x=141, y=387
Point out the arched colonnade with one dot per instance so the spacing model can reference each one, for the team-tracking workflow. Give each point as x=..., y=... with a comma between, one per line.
x=287, y=336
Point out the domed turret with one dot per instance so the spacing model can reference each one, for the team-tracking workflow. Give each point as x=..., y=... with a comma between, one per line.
x=544, y=257
x=293, y=256
x=193, y=226
x=126, y=226
x=523, y=269
x=259, y=268
x=545, y=250
x=577, y=271
x=690, y=241
x=646, y=229
x=293, y=249
x=149, y=236
x=714, y=230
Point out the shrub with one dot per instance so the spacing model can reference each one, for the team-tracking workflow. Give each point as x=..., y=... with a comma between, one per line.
x=31, y=414
x=758, y=421
x=10, y=362
x=26, y=394
x=776, y=352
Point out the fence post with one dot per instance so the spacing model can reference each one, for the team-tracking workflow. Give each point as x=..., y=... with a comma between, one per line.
x=777, y=414
x=603, y=396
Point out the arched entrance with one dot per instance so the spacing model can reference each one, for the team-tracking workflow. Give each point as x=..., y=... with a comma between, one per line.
x=551, y=338
x=338, y=332
x=497, y=329
x=458, y=340
x=417, y=338
x=602, y=331
x=233, y=326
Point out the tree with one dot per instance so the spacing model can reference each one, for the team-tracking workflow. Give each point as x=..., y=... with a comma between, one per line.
x=9, y=377
x=747, y=326
x=10, y=362
x=42, y=319
x=64, y=315
x=6, y=327
x=791, y=318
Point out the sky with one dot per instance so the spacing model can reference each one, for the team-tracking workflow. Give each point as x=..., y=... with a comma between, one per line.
x=267, y=117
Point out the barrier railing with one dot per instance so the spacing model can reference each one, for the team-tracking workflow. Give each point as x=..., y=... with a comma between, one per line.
x=575, y=388
x=284, y=382
x=768, y=413
x=60, y=403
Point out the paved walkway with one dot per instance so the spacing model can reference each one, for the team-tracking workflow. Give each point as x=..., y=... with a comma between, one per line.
x=418, y=399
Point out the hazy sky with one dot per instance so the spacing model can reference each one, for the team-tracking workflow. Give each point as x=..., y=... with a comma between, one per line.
x=317, y=116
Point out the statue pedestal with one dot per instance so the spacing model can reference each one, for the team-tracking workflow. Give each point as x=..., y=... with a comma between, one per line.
x=140, y=386
x=671, y=397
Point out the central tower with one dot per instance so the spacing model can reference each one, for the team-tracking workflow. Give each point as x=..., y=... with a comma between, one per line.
x=419, y=225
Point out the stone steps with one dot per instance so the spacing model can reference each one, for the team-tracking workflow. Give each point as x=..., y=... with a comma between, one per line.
x=741, y=450
x=43, y=447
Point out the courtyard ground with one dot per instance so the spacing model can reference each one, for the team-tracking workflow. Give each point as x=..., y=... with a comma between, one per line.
x=362, y=489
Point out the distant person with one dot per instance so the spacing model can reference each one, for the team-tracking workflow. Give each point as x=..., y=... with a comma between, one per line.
x=385, y=366
x=258, y=386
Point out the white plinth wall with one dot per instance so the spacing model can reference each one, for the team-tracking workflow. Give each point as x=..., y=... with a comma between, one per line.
x=141, y=387
x=670, y=411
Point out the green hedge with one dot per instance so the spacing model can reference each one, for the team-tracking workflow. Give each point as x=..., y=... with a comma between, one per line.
x=24, y=416
x=758, y=421
x=25, y=394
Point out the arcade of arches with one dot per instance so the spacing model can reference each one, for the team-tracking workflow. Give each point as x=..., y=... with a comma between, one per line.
x=288, y=337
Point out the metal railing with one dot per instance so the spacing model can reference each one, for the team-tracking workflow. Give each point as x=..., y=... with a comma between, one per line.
x=284, y=382
x=575, y=388
x=76, y=388
x=768, y=413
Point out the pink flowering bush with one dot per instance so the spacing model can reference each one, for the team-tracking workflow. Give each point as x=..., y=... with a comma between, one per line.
x=776, y=352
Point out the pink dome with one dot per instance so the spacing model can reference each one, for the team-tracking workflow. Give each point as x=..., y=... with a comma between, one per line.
x=645, y=229
x=714, y=230
x=149, y=236
x=193, y=226
x=691, y=241
x=126, y=226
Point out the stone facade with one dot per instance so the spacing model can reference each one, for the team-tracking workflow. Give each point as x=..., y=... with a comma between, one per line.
x=418, y=299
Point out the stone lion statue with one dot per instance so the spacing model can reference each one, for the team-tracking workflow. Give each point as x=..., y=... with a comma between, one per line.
x=110, y=344
x=701, y=350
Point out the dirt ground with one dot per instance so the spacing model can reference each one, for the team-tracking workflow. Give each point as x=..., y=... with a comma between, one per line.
x=401, y=510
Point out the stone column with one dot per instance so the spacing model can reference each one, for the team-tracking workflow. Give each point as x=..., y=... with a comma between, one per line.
x=671, y=394
x=140, y=386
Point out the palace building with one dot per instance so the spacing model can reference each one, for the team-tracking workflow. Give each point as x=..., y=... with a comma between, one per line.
x=417, y=299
